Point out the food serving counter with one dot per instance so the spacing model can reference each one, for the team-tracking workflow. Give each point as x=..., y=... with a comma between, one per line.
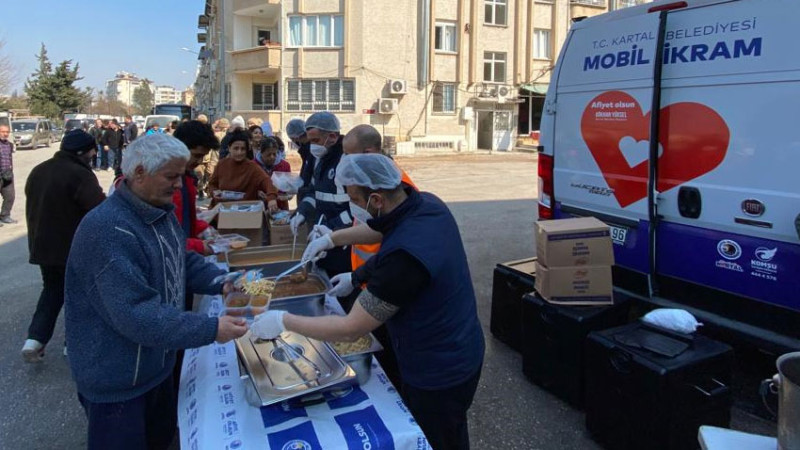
x=217, y=397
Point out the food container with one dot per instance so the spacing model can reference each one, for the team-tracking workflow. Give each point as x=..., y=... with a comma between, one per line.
x=287, y=367
x=228, y=195
x=227, y=242
x=360, y=359
x=272, y=260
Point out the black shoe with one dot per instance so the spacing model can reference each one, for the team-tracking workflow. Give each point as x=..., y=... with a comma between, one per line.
x=8, y=220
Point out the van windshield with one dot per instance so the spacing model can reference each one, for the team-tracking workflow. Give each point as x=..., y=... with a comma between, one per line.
x=23, y=126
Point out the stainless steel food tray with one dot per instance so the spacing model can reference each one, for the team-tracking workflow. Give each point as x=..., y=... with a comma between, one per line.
x=272, y=259
x=289, y=367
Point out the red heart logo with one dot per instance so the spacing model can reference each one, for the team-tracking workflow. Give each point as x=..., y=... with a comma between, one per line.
x=693, y=139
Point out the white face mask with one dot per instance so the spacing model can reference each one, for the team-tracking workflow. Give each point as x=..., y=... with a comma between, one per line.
x=318, y=150
x=361, y=214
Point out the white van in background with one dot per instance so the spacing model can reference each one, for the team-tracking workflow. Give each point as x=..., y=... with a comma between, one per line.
x=703, y=218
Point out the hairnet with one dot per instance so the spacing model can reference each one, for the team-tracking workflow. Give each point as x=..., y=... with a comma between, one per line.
x=371, y=170
x=323, y=120
x=295, y=128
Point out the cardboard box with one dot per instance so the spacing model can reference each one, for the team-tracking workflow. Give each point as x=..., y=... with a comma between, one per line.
x=575, y=285
x=573, y=242
x=282, y=234
x=249, y=224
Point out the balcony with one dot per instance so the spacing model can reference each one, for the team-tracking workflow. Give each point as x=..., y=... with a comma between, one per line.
x=257, y=59
x=256, y=7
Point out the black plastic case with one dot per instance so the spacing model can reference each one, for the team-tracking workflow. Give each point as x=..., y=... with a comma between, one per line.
x=553, y=342
x=637, y=398
x=511, y=281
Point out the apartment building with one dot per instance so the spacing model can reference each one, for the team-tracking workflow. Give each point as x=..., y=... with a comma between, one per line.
x=122, y=86
x=166, y=94
x=431, y=75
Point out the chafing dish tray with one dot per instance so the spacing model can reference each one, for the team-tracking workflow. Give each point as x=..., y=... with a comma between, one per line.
x=272, y=259
x=289, y=366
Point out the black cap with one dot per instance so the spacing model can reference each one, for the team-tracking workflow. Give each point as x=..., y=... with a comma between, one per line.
x=77, y=142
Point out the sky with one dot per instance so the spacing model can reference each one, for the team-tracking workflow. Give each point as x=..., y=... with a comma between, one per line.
x=143, y=37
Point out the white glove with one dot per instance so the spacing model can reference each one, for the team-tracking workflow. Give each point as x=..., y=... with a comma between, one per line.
x=295, y=223
x=318, y=231
x=342, y=285
x=269, y=324
x=316, y=248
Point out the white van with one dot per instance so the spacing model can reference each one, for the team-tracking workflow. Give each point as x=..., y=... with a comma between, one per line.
x=703, y=218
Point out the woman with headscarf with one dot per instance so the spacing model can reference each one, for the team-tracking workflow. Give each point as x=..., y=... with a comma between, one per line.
x=269, y=160
x=237, y=173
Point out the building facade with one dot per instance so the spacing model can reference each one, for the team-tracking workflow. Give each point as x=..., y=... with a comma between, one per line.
x=431, y=75
x=122, y=86
x=166, y=94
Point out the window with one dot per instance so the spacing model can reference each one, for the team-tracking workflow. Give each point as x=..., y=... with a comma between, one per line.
x=445, y=39
x=320, y=95
x=262, y=37
x=628, y=3
x=264, y=97
x=495, y=12
x=444, y=98
x=316, y=31
x=590, y=2
x=227, y=96
x=541, y=44
x=494, y=67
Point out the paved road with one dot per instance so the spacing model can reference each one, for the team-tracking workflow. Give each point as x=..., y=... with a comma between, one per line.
x=492, y=197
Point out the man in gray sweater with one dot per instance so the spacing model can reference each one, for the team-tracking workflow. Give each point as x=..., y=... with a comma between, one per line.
x=124, y=302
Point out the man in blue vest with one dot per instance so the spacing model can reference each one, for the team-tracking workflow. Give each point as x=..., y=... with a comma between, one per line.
x=421, y=288
x=321, y=195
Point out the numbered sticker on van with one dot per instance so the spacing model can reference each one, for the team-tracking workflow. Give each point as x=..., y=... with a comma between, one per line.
x=618, y=235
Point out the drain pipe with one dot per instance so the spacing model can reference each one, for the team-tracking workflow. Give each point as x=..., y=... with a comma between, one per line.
x=424, y=40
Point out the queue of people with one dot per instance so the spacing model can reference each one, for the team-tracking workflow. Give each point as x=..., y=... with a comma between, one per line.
x=128, y=306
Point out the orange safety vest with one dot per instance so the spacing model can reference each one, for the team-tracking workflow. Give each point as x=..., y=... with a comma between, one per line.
x=360, y=253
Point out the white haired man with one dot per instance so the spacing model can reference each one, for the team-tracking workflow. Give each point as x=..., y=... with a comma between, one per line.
x=124, y=302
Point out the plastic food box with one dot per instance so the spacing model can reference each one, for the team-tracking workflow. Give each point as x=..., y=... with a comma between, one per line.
x=226, y=242
x=229, y=195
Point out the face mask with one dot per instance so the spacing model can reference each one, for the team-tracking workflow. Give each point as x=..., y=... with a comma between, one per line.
x=361, y=214
x=318, y=150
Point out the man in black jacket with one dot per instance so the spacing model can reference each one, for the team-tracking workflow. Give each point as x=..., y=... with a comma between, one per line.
x=97, y=133
x=59, y=192
x=129, y=131
x=112, y=142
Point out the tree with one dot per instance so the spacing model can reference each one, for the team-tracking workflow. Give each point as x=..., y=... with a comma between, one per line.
x=143, y=99
x=8, y=73
x=52, y=92
x=14, y=102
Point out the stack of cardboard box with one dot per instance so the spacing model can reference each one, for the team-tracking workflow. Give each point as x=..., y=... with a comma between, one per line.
x=574, y=261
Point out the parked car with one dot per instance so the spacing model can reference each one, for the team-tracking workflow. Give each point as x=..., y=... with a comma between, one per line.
x=32, y=133
x=81, y=124
x=57, y=132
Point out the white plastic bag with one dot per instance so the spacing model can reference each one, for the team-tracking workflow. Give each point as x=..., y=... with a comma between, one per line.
x=673, y=319
x=287, y=182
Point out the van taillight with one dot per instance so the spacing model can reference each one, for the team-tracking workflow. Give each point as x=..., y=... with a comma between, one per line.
x=545, y=186
x=668, y=7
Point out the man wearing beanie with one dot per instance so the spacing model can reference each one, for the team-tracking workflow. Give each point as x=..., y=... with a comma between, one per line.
x=59, y=192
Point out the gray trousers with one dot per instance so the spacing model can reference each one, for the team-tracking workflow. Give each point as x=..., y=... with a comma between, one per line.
x=7, y=192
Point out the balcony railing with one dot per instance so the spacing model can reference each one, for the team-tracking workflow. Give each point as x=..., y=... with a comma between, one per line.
x=256, y=59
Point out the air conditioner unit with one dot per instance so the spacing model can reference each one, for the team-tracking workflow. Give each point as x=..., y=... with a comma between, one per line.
x=487, y=91
x=505, y=93
x=387, y=106
x=398, y=87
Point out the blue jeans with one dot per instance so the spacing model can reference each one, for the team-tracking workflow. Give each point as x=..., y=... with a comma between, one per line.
x=145, y=422
x=115, y=158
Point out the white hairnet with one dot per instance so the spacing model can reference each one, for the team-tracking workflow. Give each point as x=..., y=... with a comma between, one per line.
x=295, y=128
x=323, y=120
x=371, y=170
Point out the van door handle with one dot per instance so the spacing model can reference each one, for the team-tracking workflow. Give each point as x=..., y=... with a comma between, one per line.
x=690, y=203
